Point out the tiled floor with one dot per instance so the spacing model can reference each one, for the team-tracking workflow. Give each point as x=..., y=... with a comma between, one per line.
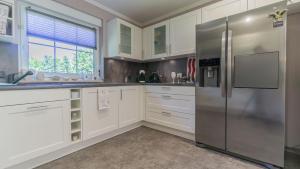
x=292, y=161
x=144, y=148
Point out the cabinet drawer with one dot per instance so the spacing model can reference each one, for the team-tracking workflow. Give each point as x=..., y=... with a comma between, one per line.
x=32, y=96
x=180, y=103
x=32, y=130
x=179, y=121
x=178, y=90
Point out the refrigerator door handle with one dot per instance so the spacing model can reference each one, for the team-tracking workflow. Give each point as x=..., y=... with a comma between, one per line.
x=230, y=65
x=223, y=63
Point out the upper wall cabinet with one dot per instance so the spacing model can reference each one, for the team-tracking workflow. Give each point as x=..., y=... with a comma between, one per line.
x=252, y=4
x=147, y=43
x=7, y=22
x=222, y=9
x=138, y=42
x=160, y=39
x=122, y=41
x=183, y=33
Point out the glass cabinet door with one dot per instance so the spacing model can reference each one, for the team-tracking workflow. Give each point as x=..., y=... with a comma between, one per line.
x=125, y=39
x=160, y=40
x=6, y=19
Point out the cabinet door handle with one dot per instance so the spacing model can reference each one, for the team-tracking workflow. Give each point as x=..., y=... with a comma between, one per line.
x=166, y=113
x=98, y=99
x=166, y=88
x=121, y=94
x=166, y=96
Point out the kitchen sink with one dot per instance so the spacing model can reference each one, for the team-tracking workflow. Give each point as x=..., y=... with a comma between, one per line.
x=7, y=84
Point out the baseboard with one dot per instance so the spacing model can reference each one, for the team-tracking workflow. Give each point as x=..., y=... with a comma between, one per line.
x=189, y=136
x=72, y=148
x=295, y=150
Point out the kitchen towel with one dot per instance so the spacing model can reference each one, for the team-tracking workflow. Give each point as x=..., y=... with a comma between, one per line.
x=191, y=69
x=103, y=100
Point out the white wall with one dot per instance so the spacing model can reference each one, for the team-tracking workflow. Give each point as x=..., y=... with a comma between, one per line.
x=91, y=10
x=293, y=81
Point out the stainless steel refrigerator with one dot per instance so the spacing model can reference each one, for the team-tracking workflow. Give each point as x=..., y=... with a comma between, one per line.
x=240, y=89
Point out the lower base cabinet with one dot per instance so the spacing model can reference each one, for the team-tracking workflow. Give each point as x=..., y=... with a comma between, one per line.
x=108, y=108
x=129, y=106
x=173, y=107
x=39, y=125
x=31, y=130
x=100, y=111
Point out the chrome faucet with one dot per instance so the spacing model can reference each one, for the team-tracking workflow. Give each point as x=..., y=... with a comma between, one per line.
x=12, y=78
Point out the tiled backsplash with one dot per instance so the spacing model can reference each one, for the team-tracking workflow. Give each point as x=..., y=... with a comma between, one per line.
x=165, y=67
x=117, y=70
x=8, y=58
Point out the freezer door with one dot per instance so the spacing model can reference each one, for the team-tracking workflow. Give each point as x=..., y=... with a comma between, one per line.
x=256, y=86
x=210, y=85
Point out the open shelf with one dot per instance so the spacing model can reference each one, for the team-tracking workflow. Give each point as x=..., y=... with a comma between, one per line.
x=75, y=115
x=76, y=120
x=75, y=104
x=75, y=94
x=76, y=131
x=75, y=99
x=76, y=125
x=76, y=137
x=75, y=109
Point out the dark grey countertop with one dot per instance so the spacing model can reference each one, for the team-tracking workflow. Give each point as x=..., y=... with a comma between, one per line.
x=32, y=86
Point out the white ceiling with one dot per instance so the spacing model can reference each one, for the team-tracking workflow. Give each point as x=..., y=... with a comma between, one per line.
x=144, y=12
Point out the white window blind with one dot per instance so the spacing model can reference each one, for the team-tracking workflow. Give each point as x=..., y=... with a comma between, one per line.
x=49, y=27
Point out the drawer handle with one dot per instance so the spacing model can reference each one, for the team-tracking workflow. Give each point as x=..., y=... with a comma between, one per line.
x=166, y=113
x=33, y=109
x=166, y=96
x=166, y=88
x=37, y=107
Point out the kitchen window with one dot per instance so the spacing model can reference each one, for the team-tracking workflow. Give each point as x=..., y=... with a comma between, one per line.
x=59, y=45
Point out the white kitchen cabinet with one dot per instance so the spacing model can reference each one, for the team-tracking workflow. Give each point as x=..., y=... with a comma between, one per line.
x=138, y=43
x=8, y=35
x=122, y=40
x=99, y=119
x=252, y=4
x=31, y=130
x=183, y=33
x=222, y=9
x=172, y=107
x=290, y=2
x=147, y=43
x=161, y=39
x=179, y=90
x=129, y=105
x=142, y=103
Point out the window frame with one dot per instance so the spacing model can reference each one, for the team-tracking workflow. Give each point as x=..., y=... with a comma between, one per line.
x=24, y=42
x=56, y=47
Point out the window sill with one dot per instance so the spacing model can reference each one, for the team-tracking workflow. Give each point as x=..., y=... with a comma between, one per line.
x=60, y=81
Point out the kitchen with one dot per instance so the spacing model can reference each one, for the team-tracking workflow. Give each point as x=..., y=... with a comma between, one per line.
x=165, y=84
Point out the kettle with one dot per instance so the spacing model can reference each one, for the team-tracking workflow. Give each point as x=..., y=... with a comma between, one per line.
x=142, y=76
x=154, y=78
